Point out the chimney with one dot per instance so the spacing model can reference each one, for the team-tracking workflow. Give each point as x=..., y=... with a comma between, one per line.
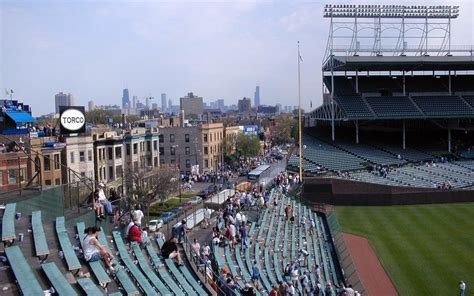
x=182, y=118
x=209, y=118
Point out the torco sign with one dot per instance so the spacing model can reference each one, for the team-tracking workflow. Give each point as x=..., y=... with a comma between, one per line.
x=72, y=119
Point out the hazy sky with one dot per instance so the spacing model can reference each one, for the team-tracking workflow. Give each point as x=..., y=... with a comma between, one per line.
x=218, y=50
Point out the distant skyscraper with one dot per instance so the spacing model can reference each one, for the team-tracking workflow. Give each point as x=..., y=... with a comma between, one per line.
x=135, y=98
x=163, y=103
x=154, y=106
x=191, y=104
x=125, y=99
x=91, y=105
x=257, y=96
x=63, y=99
x=245, y=105
x=220, y=104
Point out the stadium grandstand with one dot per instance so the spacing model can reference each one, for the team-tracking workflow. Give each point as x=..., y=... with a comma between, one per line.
x=393, y=113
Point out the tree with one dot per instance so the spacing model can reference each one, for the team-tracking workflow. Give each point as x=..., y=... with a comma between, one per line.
x=146, y=186
x=282, y=131
x=247, y=146
x=98, y=116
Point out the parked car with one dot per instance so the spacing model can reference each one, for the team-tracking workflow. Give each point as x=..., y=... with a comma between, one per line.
x=167, y=216
x=154, y=225
x=192, y=201
x=208, y=191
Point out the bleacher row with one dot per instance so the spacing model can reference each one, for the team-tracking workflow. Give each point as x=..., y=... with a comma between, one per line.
x=406, y=107
x=343, y=156
x=138, y=272
x=274, y=242
x=457, y=174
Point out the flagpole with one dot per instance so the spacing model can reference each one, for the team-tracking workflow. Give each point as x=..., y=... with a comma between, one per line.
x=300, y=138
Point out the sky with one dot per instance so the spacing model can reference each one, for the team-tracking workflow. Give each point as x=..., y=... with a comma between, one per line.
x=217, y=50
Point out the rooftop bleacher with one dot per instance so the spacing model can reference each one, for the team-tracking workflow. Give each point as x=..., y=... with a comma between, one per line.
x=391, y=107
x=442, y=106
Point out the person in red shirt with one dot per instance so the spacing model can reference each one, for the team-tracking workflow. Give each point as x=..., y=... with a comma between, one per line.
x=275, y=291
x=135, y=234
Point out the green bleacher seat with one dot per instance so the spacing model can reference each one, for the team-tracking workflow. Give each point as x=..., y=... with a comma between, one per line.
x=142, y=281
x=175, y=271
x=162, y=271
x=41, y=245
x=8, y=223
x=57, y=279
x=68, y=250
x=89, y=287
x=24, y=275
x=148, y=271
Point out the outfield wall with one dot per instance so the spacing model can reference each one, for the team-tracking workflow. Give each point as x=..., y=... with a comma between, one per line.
x=346, y=192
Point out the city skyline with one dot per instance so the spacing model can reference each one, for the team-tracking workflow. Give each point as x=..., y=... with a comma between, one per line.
x=94, y=50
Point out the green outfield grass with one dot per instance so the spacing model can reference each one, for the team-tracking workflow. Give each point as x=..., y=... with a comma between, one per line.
x=426, y=249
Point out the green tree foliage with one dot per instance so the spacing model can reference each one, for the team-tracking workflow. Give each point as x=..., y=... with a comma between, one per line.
x=98, y=116
x=282, y=133
x=248, y=146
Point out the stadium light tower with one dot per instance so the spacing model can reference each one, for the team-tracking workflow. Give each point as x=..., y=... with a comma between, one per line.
x=402, y=19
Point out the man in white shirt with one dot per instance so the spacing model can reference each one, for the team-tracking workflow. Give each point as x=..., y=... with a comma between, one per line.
x=462, y=288
x=207, y=217
x=138, y=216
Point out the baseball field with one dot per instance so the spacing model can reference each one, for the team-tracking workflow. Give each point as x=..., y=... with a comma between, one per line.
x=426, y=249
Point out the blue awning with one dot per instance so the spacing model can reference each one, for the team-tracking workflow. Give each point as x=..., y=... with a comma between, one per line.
x=20, y=117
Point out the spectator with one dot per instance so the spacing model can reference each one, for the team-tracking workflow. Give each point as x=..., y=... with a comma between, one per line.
x=274, y=291
x=93, y=250
x=135, y=233
x=312, y=226
x=294, y=275
x=229, y=287
x=291, y=289
x=462, y=288
x=255, y=274
x=207, y=217
x=283, y=287
x=138, y=216
x=196, y=249
x=98, y=208
x=205, y=251
x=248, y=290
x=243, y=236
x=178, y=230
x=103, y=200
x=169, y=250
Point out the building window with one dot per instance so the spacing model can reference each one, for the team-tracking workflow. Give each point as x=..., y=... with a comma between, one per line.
x=155, y=145
x=188, y=163
x=172, y=161
x=89, y=155
x=118, y=152
x=56, y=161
x=206, y=150
x=205, y=138
x=111, y=172
x=148, y=146
x=161, y=138
x=127, y=148
x=118, y=171
x=162, y=150
x=187, y=150
x=100, y=174
x=47, y=182
x=148, y=161
x=172, y=151
x=135, y=148
x=11, y=176
x=162, y=161
x=110, y=152
x=186, y=138
x=57, y=181
x=82, y=156
x=171, y=138
x=155, y=161
x=47, y=163
x=71, y=156
x=206, y=163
